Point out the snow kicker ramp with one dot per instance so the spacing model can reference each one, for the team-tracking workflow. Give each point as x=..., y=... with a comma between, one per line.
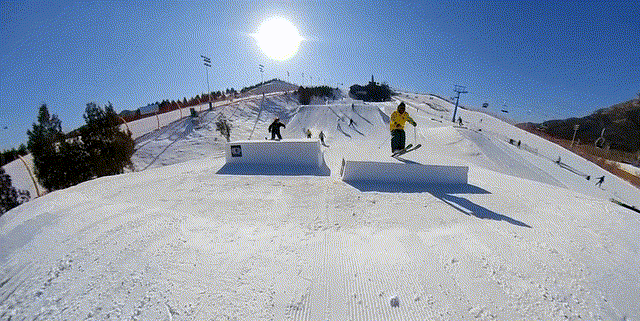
x=268, y=157
x=402, y=171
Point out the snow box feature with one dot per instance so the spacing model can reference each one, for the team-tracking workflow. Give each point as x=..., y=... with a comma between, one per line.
x=399, y=172
x=270, y=157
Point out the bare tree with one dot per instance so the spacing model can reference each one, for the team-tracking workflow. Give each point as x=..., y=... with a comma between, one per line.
x=224, y=127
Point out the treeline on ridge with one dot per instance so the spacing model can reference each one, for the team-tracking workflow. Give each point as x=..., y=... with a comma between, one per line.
x=9, y=155
x=616, y=127
x=305, y=93
x=371, y=92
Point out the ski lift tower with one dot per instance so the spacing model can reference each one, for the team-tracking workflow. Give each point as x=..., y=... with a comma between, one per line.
x=459, y=90
x=575, y=130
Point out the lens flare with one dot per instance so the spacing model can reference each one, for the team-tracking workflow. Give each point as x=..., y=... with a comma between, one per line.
x=278, y=38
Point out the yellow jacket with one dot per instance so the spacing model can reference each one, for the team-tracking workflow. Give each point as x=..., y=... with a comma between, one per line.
x=398, y=120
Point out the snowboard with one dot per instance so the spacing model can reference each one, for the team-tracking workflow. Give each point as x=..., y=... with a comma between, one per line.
x=407, y=149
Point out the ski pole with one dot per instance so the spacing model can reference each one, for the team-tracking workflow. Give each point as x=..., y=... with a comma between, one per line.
x=384, y=141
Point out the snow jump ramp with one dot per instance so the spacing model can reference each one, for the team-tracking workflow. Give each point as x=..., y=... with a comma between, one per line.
x=271, y=157
x=395, y=171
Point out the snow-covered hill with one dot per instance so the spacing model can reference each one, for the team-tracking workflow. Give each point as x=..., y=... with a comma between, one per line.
x=271, y=87
x=20, y=177
x=526, y=238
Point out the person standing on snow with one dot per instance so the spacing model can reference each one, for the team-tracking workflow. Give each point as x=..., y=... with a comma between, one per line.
x=396, y=125
x=321, y=136
x=274, y=129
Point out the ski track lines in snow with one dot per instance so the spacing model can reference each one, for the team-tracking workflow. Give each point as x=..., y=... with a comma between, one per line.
x=577, y=253
x=182, y=242
x=514, y=164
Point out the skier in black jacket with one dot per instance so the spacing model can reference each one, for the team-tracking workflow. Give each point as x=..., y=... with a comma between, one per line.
x=274, y=129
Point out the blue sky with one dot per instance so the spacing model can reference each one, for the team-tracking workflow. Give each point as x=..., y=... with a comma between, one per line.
x=539, y=59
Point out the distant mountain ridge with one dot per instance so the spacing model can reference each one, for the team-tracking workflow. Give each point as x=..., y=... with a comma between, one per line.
x=620, y=122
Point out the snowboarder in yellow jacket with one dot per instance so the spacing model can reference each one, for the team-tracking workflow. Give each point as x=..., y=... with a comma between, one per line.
x=396, y=125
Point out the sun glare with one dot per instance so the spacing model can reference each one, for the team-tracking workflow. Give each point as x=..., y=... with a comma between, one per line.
x=278, y=38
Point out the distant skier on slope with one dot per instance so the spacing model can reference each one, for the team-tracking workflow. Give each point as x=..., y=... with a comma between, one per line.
x=396, y=125
x=274, y=129
x=321, y=136
x=600, y=181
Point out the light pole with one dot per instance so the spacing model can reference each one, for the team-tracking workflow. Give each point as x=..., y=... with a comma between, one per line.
x=207, y=64
x=261, y=67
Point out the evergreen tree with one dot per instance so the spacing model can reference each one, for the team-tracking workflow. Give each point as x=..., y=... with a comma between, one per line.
x=22, y=150
x=73, y=163
x=97, y=149
x=9, y=196
x=108, y=149
x=44, y=142
x=10, y=155
x=304, y=96
x=633, y=117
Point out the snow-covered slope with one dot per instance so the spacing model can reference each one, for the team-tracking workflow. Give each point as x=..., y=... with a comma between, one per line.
x=20, y=176
x=524, y=239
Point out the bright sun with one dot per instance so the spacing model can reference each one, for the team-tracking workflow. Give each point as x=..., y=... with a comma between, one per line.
x=278, y=38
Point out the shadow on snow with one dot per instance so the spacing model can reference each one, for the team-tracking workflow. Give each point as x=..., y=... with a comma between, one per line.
x=445, y=193
x=467, y=207
x=274, y=170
